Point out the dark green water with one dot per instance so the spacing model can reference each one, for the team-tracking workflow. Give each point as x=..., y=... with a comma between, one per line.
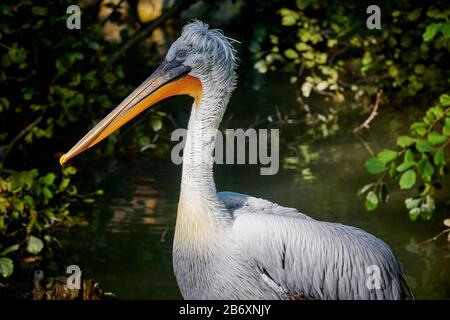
x=127, y=246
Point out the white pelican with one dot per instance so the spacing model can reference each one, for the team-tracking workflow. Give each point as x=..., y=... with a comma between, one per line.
x=233, y=246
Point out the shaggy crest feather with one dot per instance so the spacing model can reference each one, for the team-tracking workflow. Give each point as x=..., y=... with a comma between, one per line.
x=214, y=44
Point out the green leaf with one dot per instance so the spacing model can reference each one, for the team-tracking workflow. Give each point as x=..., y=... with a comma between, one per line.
x=439, y=157
x=6, y=267
x=4, y=102
x=446, y=128
x=372, y=201
x=70, y=170
x=109, y=78
x=424, y=146
x=303, y=4
x=49, y=179
x=301, y=46
x=435, y=138
x=428, y=207
x=18, y=205
x=392, y=169
x=39, y=11
x=47, y=193
x=414, y=15
x=29, y=201
x=291, y=54
x=425, y=168
x=12, y=248
x=387, y=155
x=367, y=58
x=289, y=17
x=419, y=69
x=408, y=161
x=431, y=31
x=156, y=123
x=16, y=183
x=409, y=157
x=414, y=213
x=405, y=141
x=435, y=112
x=374, y=165
x=71, y=190
x=412, y=203
x=393, y=71
x=3, y=205
x=34, y=245
x=64, y=184
x=438, y=14
x=444, y=100
x=408, y=179
x=419, y=128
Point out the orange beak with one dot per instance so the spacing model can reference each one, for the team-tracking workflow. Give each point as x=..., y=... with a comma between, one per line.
x=170, y=79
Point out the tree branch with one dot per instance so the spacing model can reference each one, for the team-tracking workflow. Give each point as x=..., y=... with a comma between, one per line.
x=372, y=115
x=21, y=134
x=435, y=237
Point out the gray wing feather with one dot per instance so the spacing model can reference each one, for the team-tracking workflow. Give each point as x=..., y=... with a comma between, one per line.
x=238, y=203
x=312, y=259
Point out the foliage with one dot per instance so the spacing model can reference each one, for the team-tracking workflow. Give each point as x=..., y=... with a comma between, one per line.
x=31, y=206
x=421, y=159
x=55, y=83
x=329, y=49
x=51, y=80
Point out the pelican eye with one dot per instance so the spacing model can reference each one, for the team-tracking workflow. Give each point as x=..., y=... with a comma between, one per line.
x=181, y=54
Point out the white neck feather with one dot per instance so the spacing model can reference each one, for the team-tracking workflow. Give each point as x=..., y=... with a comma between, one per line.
x=201, y=215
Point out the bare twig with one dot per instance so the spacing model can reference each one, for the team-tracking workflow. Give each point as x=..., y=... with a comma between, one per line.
x=435, y=237
x=324, y=93
x=366, y=145
x=147, y=30
x=336, y=53
x=172, y=120
x=22, y=133
x=373, y=114
x=163, y=236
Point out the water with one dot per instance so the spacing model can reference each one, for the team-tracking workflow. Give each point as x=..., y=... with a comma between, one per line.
x=127, y=246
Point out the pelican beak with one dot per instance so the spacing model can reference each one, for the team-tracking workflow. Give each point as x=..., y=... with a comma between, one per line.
x=170, y=79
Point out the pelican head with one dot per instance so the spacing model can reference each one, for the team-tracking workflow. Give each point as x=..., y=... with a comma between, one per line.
x=200, y=63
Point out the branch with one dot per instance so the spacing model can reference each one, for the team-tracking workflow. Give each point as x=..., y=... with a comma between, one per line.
x=146, y=31
x=434, y=238
x=22, y=133
x=372, y=115
x=366, y=145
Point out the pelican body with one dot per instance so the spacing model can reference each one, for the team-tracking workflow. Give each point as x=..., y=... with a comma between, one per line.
x=233, y=246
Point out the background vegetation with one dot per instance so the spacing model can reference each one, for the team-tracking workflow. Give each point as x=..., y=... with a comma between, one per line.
x=329, y=51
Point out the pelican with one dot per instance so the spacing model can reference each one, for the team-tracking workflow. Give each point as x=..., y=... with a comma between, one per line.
x=233, y=246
